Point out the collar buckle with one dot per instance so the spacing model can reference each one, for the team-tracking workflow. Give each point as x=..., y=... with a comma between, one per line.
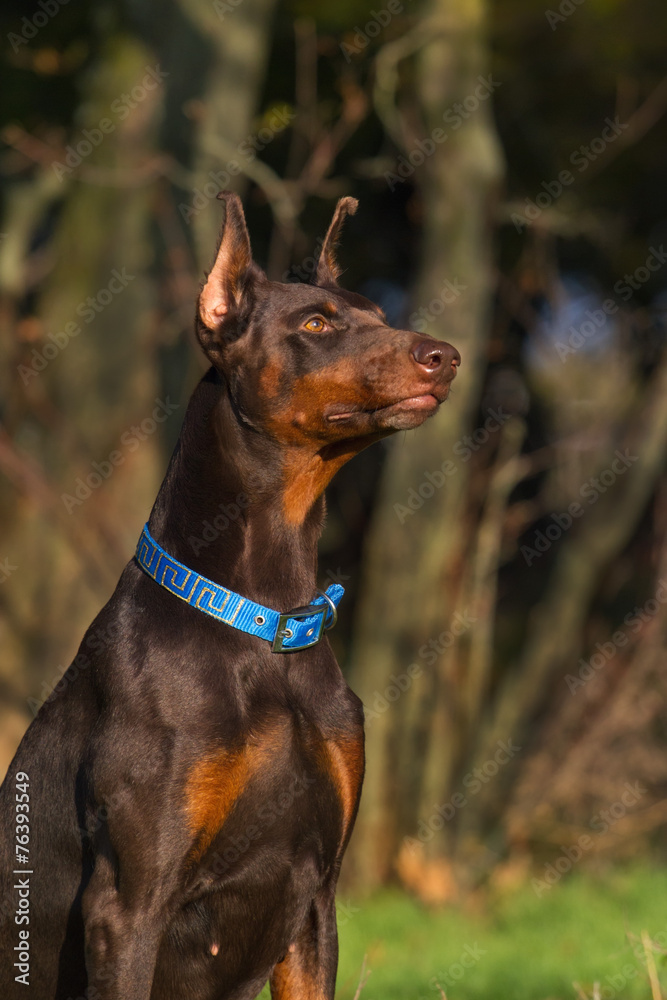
x=313, y=635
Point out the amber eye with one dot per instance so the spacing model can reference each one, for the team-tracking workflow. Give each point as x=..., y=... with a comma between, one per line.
x=315, y=325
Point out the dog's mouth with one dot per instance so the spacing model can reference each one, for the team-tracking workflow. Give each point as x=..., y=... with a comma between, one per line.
x=403, y=414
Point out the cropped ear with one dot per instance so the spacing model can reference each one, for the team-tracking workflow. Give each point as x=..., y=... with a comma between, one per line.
x=221, y=300
x=327, y=266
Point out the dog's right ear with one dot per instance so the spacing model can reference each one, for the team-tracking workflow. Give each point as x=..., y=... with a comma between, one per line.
x=328, y=270
x=227, y=288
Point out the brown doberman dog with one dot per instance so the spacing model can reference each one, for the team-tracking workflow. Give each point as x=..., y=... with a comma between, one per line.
x=173, y=823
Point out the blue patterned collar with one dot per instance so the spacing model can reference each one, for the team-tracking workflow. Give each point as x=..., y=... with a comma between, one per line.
x=297, y=629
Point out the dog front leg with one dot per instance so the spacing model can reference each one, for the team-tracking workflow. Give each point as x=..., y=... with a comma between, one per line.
x=126, y=904
x=122, y=936
x=308, y=971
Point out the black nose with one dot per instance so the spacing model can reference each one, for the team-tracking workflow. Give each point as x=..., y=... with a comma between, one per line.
x=433, y=354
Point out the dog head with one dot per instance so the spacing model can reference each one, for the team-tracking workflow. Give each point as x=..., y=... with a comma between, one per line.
x=312, y=365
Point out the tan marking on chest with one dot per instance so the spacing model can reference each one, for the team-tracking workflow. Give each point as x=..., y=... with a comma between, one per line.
x=217, y=781
x=343, y=760
x=214, y=785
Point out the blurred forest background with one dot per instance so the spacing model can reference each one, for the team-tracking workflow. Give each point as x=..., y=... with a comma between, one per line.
x=506, y=564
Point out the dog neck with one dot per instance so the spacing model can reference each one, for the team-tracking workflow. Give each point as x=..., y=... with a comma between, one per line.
x=220, y=509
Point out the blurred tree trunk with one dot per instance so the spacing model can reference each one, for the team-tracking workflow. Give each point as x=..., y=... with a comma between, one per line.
x=61, y=415
x=556, y=624
x=71, y=414
x=439, y=700
x=239, y=35
x=605, y=727
x=412, y=590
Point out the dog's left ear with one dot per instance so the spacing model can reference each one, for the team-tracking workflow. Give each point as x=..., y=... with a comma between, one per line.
x=327, y=266
x=227, y=286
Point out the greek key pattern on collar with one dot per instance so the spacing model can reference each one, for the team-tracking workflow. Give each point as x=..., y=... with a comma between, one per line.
x=192, y=588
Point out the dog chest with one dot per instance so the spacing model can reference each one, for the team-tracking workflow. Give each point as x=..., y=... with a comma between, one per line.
x=285, y=783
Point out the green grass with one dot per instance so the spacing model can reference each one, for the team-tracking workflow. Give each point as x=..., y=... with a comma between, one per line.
x=522, y=948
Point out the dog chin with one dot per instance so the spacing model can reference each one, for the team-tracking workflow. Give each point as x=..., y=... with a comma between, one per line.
x=401, y=416
x=407, y=414
x=406, y=421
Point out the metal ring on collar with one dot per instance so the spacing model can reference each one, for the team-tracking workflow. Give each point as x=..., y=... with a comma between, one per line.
x=332, y=606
